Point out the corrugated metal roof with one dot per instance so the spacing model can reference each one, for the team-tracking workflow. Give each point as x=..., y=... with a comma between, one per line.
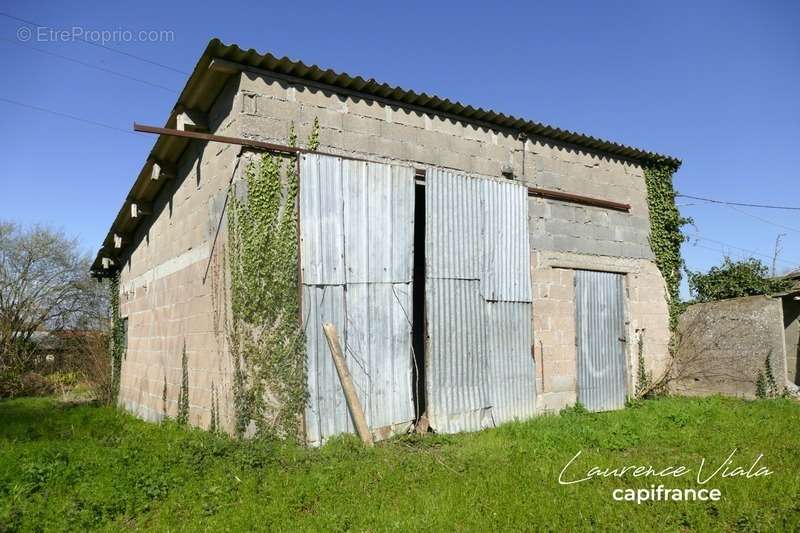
x=204, y=85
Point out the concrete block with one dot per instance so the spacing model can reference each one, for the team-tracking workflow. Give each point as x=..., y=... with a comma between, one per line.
x=360, y=124
x=407, y=117
x=366, y=108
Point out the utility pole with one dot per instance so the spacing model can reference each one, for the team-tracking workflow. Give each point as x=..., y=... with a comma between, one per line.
x=778, y=250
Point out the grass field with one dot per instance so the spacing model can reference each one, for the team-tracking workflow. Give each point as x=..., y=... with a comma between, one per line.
x=78, y=468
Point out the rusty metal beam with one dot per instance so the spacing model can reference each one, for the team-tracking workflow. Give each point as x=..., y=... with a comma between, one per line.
x=217, y=138
x=577, y=199
x=532, y=191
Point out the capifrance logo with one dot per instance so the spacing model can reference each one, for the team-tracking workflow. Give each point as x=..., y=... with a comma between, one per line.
x=662, y=494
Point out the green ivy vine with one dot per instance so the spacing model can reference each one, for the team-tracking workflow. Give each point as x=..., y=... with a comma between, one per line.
x=182, y=416
x=766, y=386
x=665, y=232
x=265, y=332
x=214, y=426
x=644, y=379
x=164, y=415
x=117, y=348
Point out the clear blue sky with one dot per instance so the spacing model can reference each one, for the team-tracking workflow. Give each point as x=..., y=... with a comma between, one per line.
x=717, y=85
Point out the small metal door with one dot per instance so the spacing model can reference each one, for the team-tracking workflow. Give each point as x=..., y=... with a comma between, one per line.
x=600, y=339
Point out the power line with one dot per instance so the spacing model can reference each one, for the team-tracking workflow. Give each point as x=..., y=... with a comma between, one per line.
x=722, y=252
x=100, y=45
x=741, y=211
x=753, y=252
x=791, y=266
x=760, y=206
x=66, y=115
x=89, y=65
x=764, y=220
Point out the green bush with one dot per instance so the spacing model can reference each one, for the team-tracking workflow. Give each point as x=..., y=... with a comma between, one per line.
x=733, y=279
x=16, y=384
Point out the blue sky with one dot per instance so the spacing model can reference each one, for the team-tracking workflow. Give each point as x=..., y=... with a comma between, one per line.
x=715, y=84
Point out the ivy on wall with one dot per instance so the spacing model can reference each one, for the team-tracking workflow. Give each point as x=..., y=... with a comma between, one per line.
x=182, y=416
x=665, y=241
x=644, y=379
x=164, y=400
x=665, y=232
x=214, y=426
x=265, y=332
x=117, y=347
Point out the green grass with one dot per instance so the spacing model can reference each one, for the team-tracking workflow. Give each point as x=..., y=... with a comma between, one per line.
x=77, y=468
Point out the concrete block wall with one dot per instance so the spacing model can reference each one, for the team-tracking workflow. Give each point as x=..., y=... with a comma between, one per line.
x=554, y=336
x=171, y=290
x=563, y=236
x=354, y=126
x=721, y=346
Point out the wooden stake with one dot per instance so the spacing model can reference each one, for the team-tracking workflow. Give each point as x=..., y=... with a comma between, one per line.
x=353, y=403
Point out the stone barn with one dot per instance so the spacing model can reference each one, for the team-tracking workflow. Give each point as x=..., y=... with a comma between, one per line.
x=478, y=267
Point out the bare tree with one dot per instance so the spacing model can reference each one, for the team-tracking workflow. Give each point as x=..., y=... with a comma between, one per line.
x=44, y=286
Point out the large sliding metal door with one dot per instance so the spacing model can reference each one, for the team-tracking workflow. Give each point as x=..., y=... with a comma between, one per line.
x=478, y=302
x=356, y=233
x=600, y=339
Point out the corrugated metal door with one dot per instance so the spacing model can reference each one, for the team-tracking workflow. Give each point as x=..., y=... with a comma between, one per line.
x=356, y=240
x=478, y=304
x=600, y=339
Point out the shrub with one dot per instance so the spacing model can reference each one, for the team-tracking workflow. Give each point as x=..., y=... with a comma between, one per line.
x=94, y=365
x=10, y=384
x=733, y=279
x=14, y=384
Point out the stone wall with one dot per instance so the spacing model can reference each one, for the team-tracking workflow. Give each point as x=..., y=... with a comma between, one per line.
x=721, y=346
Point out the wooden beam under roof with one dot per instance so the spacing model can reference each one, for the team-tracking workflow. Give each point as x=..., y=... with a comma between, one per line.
x=191, y=120
x=162, y=171
x=139, y=209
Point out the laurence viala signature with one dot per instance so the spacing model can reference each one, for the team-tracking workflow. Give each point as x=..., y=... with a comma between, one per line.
x=705, y=471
